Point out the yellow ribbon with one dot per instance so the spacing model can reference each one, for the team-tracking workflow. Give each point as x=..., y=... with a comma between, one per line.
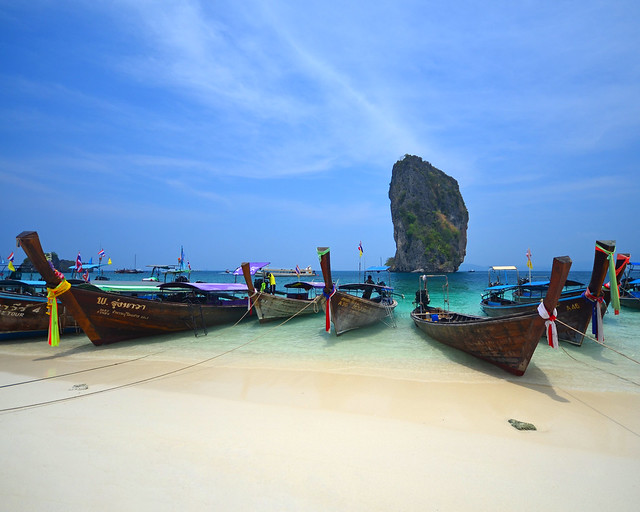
x=52, y=311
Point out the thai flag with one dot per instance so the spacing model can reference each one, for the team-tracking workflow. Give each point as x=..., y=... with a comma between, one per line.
x=298, y=270
x=78, y=263
x=101, y=254
x=10, y=265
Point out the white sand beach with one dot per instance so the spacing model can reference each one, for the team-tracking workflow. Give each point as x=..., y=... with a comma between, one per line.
x=236, y=434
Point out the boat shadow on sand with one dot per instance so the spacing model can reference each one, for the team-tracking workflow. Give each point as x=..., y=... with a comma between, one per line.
x=534, y=379
x=82, y=345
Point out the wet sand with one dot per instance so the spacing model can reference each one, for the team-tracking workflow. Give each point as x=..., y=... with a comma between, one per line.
x=233, y=433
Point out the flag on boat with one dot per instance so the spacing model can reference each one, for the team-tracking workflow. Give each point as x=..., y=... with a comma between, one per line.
x=10, y=265
x=109, y=261
x=101, y=254
x=85, y=276
x=78, y=263
x=298, y=270
x=360, y=248
x=529, y=264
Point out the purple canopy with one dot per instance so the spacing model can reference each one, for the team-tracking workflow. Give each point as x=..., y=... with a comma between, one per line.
x=207, y=287
x=253, y=268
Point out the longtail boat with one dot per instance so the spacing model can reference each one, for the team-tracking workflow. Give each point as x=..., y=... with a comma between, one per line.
x=354, y=305
x=109, y=317
x=630, y=287
x=299, y=299
x=23, y=310
x=507, y=342
x=576, y=306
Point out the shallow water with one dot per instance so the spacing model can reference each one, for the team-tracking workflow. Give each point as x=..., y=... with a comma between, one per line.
x=400, y=351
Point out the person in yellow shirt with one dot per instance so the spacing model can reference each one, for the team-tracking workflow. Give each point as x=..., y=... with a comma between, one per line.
x=272, y=283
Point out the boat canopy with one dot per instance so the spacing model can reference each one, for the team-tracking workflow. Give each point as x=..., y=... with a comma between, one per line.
x=253, y=267
x=307, y=285
x=504, y=267
x=377, y=269
x=87, y=266
x=125, y=287
x=502, y=287
x=365, y=286
x=23, y=281
x=635, y=281
x=536, y=284
x=205, y=287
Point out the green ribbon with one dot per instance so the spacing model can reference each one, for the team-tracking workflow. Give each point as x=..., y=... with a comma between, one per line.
x=322, y=253
x=613, y=279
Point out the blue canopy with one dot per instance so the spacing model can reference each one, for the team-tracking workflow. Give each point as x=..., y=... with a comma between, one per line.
x=377, y=269
x=87, y=266
x=501, y=287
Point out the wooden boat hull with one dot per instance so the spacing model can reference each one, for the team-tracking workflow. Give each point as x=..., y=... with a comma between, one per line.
x=24, y=316
x=506, y=342
x=107, y=317
x=574, y=316
x=630, y=301
x=351, y=312
x=111, y=317
x=574, y=310
x=273, y=307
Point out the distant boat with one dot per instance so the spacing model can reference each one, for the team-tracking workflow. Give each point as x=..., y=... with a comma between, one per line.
x=109, y=317
x=351, y=306
x=168, y=274
x=507, y=342
x=300, y=297
x=291, y=272
x=133, y=270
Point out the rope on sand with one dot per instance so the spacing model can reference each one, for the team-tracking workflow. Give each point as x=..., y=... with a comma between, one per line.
x=155, y=377
x=80, y=371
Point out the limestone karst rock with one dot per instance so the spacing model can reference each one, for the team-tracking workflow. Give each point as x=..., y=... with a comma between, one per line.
x=429, y=218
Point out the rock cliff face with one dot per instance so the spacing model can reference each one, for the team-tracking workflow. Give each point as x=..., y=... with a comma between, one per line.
x=429, y=218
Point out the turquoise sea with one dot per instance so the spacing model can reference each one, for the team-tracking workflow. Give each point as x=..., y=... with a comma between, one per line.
x=400, y=351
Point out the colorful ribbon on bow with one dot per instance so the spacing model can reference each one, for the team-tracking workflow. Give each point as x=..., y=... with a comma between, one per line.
x=328, y=308
x=613, y=281
x=52, y=311
x=550, y=324
x=596, y=314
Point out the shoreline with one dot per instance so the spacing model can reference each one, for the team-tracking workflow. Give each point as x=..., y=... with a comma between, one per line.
x=240, y=433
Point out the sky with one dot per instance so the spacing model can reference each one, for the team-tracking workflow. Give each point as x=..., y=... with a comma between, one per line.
x=260, y=130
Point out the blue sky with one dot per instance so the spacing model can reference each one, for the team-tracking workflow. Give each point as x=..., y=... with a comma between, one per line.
x=259, y=130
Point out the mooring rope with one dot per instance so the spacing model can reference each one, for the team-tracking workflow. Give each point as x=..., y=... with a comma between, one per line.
x=598, y=342
x=80, y=371
x=598, y=368
x=155, y=377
